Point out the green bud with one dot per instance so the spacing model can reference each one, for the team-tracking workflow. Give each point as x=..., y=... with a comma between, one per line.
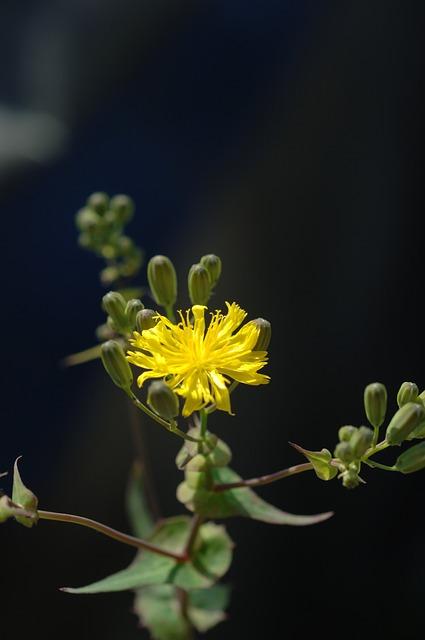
x=162, y=280
x=346, y=432
x=264, y=335
x=87, y=219
x=146, y=319
x=350, y=479
x=123, y=207
x=412, y=460
x=408, y=392
x=114, y=304
x=196, y=479
x=421, y=397
x=212, y=264
x=98, y=202
x=116, y=364
x=360, y=441
x=199, y=284
x=344, y=452
x=197, y=463
x=109, y=274
x=404, y=422
x=185, y=494
x=375, y=403
x=418, y=433
x=163, y=400
x=132, y=308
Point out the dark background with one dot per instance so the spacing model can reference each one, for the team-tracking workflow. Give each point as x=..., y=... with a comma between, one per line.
x=288, y=138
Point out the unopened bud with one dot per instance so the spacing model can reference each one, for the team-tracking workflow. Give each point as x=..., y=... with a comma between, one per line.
x=344, y=452
x=264, y=334
x=212, y=264
x=345, y=433
x=404, y=422
x=162, y=280
x=116, y=365
x=132, y=308
x=408, y=392
x=146, y=319
x=375, y=403
x=163, y=400
x=98, y=202
x=86, y=219
x=114, y=305
x=412, y=460
x=199, y=284
x=197, y=463
x=123, y=207
x=360, y=441
x=350, y=479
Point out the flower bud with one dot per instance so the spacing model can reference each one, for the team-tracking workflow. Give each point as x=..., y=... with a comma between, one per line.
x=86, y=219
x=98, y=202
x=360, y=441
x=412, y=460
x=199, y=284
x=264, y=334
x=418, y=433
x=197, y=463
x=162, y=280
x=345, y=433
x=408, y=392
x=212, y=264
x=116, y=365
x=163, y=400
x=344, y=452
x=123, y=207
x=404, y=422
x=132, y=308
x=146, y=319
x=350, y=479
x=114, y=305
x=375, y=403
x=220, y=456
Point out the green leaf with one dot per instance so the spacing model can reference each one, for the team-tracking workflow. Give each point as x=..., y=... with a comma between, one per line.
x=161, y=609
x=211, y=559
x=141, y=521
x=320, y=461
x=23, y=497
x=206, y=606
x=240, y=502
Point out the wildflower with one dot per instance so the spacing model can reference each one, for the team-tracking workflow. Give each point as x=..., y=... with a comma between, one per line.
x=196, y=361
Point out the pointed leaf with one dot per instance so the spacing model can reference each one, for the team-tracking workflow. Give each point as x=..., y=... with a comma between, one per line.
x=211, y=559
x=23, y=497
x=141, y=521
x=320, y=461
x=206, y=606
x=159, y=609
x=243, y=502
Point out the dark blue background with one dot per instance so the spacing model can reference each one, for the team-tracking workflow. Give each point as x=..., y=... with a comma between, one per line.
x=288, y=138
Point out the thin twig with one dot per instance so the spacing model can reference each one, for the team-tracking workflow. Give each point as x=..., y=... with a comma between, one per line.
x=268, y=479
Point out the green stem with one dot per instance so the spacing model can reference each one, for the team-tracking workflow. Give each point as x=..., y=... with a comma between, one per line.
x=171, y=427
x=204, y=421
x=197, y=520
x=169, y=312
x=378, y=465
x=111, y=533
x=375, y=437
x=268, y=479
x=375, y=449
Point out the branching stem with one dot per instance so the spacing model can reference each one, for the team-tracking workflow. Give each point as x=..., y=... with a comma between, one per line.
x=268, y=479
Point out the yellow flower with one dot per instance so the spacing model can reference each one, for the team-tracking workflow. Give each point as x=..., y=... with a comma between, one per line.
x=198, y=362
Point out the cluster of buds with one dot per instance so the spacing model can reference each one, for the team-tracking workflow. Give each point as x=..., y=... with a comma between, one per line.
x=352, y=446
x=202, y=278
x=101, y=223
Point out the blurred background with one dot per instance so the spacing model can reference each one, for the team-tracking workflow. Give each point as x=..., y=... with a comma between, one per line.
x=288, y=138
